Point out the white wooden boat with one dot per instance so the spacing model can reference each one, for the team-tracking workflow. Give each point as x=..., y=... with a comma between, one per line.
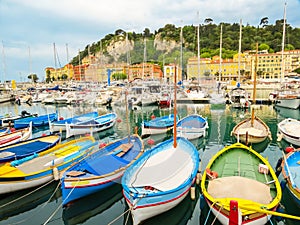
x=175, y=169
x=192, y=127
x=251, y=130
x=289, y=130
x=60, y=125
x=91, y=126
x=16, y=136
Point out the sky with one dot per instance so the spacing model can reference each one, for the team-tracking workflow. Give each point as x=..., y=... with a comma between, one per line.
x=29, y=29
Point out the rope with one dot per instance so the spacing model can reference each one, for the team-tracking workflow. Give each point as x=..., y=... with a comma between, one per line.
x=120, y=216
x=8, y=203
x=24, y=220
x=60, y=206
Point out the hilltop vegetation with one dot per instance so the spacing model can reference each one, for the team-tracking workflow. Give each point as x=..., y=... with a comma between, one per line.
x=164, y=45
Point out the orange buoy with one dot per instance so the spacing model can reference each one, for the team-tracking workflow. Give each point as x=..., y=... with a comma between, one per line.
x=119, y=120
x=43, y=135
x=151, y=142
x=289, y=149
x=12, y=129
x=61, y=118
x=152, y=116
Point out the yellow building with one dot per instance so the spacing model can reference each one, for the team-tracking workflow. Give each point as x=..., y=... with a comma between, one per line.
x=224, y=70
x=59, y=73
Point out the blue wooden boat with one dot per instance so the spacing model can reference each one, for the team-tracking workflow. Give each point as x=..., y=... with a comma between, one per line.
x=4, y=130
x=291, y=173
x=28, y=147
x=100, y=169
x=37, y=121
x=161, y=178
x=192, y=127
x=158, y=125
x=91, y=126
x=60, y=125
x=43, y=167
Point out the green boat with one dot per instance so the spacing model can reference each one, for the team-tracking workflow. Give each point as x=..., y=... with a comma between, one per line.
x=239, y=184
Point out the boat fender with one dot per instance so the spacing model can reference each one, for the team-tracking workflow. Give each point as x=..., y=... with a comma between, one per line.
x=193, y=192
x=211, y=174
x=278, y=166
x=263, y=169
x=55, y=173
x=289, y=149
x=198, y=178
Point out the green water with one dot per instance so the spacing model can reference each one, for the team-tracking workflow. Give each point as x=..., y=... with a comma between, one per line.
x=109, y=206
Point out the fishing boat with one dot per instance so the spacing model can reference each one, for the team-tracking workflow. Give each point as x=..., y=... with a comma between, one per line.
x=175, y=169
x=8, y=120
x=162, y=177
x=4, y=130
x=192, y=127
x=289, y=130
x=158, y=125
x=28, y=147
x=43, y=167
x=240, y=185
x=37, y=121
x=101, y=169
x=97, y=124
x=16, y=136
x=239, y=98
x=291, y=173
x=251, y=130
x=60, y=125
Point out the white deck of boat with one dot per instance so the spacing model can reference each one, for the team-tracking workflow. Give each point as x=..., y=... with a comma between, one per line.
x=165, y=170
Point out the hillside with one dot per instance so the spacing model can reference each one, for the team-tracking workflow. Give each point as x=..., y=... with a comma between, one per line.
x=164, y=45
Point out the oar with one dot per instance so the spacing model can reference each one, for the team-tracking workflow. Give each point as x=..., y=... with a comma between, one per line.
x=288, y=170
x=257, y=209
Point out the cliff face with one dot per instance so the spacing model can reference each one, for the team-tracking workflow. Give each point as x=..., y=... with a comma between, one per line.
x=121, y=46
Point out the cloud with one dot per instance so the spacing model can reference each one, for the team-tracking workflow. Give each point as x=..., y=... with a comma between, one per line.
x=38, y=24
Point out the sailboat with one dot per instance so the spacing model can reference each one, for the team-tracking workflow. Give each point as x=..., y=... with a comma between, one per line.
x=252, y=130
x=162, y=177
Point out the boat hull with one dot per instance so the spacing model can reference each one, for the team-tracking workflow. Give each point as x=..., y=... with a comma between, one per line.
x=101, y=169
x=176, y=169
x=148, y=207
x=289, y=129
x=291, y=103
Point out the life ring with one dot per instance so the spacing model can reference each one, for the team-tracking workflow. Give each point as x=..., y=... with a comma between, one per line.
x=211, y=174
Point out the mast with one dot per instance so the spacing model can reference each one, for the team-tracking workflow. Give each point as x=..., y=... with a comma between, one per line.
x=198, y=52
x=282, y=45
x=220, y=54
x=240, y=50
x=175, y=108
x=67, y=50
x=145, y=58
x=254, y=85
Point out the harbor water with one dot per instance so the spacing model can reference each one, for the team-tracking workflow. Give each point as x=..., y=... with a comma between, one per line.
x=43, y=205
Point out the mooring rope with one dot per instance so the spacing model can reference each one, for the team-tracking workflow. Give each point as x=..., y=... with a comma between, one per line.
x=23, y=196
x=22, y=221
x=60, y=206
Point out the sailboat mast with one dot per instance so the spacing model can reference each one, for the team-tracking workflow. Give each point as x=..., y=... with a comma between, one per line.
x=220, y=54
x=282, y=45
x=240, y=50
x=198, y=48
x=175, y=108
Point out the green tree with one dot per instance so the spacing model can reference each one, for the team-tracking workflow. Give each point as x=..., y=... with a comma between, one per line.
x=33, y=77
